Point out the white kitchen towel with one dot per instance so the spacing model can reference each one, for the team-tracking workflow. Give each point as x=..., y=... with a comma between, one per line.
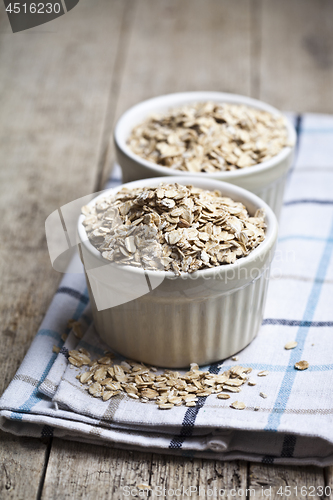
x=293, y=424
x=52, y=380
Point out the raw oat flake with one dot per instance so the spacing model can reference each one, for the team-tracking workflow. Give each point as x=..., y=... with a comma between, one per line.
x=105, y=379
x=210, y=137
x=173, y=228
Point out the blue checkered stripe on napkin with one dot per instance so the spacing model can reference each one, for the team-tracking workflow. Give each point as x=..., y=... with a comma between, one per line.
x=299, y=305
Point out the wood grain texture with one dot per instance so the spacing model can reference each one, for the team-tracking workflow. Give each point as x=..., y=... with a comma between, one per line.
x=328, y=475
x=53, y=109
x=22, y=461
x=110, y=473
x=53, y=97
x=256, y=11
x=83, y=472
x=189, y=45
x=296, y=68
x=279, y=477
x=197, y=478
x=106, y=156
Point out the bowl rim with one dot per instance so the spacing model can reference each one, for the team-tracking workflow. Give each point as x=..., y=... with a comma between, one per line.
x=261, y=250
x=167, y=101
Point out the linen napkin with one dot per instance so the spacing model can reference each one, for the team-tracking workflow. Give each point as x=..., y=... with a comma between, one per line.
x=292, y=425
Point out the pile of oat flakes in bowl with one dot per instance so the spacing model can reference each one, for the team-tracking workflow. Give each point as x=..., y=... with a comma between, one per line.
x=210, y=137
x=172, y=227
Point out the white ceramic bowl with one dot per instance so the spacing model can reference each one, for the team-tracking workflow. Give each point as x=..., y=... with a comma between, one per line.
x=164, y=320
x=266, y=179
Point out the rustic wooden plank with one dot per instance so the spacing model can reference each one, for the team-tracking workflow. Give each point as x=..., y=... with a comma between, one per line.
x=278, y=478
x=21, y=464
x=328, y=474
x=297, y=55
x=106, y=157
x=116, y=474
x=53, y=93
x=199, y=46
x=189, y=45
x=93, y=472
x=53, y=110
x=255, y=46
x=182, y=477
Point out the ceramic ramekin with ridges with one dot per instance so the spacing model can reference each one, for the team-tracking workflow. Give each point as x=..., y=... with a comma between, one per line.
x=266, y=179
x=164, y=320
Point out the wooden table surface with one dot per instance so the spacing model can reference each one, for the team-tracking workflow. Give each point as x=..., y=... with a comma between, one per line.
x=62, y=87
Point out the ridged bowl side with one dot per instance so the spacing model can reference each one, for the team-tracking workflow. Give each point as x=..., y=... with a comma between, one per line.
x=273, y=195
x=174, y=334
